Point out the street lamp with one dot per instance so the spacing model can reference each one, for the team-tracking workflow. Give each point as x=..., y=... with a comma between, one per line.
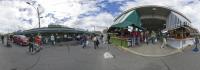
x=37, y=10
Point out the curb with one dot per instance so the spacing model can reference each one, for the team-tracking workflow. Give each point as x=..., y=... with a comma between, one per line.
x=134, y=52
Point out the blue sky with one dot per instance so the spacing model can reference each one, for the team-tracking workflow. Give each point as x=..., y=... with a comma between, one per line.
x=83, y=14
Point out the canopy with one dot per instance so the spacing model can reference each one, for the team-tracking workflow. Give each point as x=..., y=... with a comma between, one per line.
x=129, y=19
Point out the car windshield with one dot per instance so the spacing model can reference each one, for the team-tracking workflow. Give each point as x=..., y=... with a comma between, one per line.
x=99, y=34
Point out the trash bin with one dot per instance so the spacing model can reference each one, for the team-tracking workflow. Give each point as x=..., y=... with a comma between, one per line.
x=129, y=41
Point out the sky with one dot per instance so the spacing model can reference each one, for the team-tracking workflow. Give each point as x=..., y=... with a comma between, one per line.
x=17, y=15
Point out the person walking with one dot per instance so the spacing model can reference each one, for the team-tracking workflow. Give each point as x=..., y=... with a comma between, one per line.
x=101, y=38
x=38, y=41
x=8, y=41
x=134, y=33
x=153, y=37
x=46, y=40
x=84, y=41
x=146, y=37
x=196, y=42
x=104, y=38
x=108, y=38
x=2, y=39
x=142, y=37
x=31, y=42
x=164, y=42
x=138, y=35
x=95, y=40
x=52, y=39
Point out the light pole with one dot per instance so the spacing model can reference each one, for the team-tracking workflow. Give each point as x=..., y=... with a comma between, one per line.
x=37, y=10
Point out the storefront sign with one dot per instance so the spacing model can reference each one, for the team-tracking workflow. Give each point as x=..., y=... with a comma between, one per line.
x=130, y=28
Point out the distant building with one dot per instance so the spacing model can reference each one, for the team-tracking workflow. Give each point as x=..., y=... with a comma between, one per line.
x=159, y=19
x=58, y=30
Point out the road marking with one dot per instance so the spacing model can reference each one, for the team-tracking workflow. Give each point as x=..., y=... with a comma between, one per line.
x=108, y=55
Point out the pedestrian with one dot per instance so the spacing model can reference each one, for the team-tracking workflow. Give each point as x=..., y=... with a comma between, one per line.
x=104, y=39
x=108, y=38
x=46, y=40
x=196, y=42
x=2, y=39
x=153, y=37
x=31, y=42
x=84, y=41
x=95, y=41
x=65, y=37
x=138, y=35
x=164, y=42
x=8, y=41
x=38, y=41
x=142, y=37
x=52, y=39
x=146, y=37
x=101, y=38
x=134, y=33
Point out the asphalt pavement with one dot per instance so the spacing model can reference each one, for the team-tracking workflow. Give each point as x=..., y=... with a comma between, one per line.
x=65, y=56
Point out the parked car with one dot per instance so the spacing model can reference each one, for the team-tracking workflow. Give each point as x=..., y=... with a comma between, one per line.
x=20, y=40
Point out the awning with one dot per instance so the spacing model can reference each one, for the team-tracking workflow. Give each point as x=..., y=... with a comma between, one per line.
x=192, y=30
x=129, y=19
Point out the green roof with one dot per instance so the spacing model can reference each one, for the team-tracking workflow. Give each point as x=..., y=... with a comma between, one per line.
x=53, y=30
x=129, y=19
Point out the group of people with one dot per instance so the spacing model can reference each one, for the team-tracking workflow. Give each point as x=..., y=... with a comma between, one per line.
x=35, y=43
x=85, y=39
x=139, y=36
x=8, y=39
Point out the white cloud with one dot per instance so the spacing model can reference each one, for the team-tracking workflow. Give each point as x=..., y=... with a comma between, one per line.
x=9, y=16
x=101, y=21
x=73, y=8
x=61, y=8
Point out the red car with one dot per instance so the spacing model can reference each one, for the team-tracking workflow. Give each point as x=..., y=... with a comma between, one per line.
x=20, y=40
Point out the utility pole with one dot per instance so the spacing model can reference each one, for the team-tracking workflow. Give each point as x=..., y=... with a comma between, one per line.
x=37, y=10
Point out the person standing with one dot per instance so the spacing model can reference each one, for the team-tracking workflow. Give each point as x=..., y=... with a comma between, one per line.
x=101, y=38
x=141, y=36
x=153, y=37
x=52, y=39
x=164, y=42
x=95, y=40
x=2, y=39
x=65, y=38
x=46, y=40
x=31, y=40
x=84, y=41
x=108, y=38
x=146, y=40
x=134, y=33
x=38, y=41
x=104, y=38
x=8, y=41
x=196, y=42
x=138, y=37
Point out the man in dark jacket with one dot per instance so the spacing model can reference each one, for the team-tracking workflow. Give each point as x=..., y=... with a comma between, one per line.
x=84, y=41
x=2, y=39
x=108, y=38
x=31, y=40
x=196, y=41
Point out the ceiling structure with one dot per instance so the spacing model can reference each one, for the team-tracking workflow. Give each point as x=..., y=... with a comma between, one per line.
x=153, y=17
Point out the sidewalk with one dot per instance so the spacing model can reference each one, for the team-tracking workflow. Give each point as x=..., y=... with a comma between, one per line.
x=152, y=50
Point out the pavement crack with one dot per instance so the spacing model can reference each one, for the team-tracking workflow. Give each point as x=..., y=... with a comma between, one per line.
x=168, y=68
x=36, y=62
